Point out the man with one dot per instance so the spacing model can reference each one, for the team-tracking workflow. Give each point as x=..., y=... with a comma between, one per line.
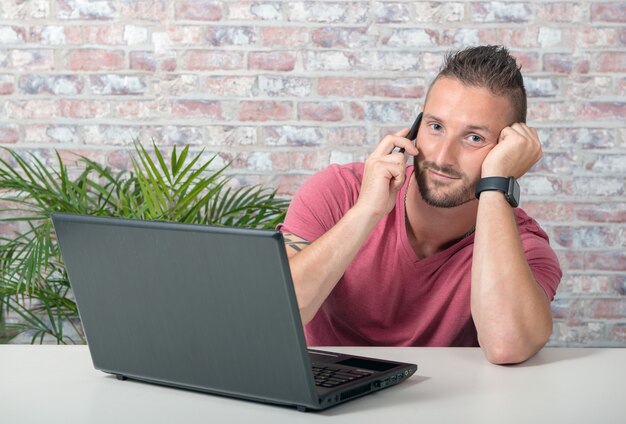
x=382, y=253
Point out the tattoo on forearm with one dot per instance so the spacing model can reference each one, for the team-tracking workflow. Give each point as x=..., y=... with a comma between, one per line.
x=294, y=244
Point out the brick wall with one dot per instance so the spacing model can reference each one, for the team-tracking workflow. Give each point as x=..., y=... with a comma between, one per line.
x=283, y=88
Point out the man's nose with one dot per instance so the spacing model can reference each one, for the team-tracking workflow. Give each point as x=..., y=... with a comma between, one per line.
x=446, y=153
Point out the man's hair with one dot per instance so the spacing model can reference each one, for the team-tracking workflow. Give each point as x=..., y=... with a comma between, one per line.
x=490, y=67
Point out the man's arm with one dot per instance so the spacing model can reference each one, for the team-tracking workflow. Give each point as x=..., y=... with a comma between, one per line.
x=510, y=310
x=317, y=268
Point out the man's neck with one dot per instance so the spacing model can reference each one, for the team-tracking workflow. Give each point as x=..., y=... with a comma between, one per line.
x=431, y=229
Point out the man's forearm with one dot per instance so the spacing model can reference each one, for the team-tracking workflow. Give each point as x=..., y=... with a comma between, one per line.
x=316, y=269
x=510, y=310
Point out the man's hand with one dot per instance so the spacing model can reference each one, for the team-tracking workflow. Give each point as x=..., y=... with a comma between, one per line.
x=384, y=174
x=518, y=149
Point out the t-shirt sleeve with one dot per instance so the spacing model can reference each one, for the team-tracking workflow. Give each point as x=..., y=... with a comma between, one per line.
x=321, y=202
x=543, y=263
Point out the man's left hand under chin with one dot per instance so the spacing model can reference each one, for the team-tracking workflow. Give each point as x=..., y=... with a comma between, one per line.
x=518, y=149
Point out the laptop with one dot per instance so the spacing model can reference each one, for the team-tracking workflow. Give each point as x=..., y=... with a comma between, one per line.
x=204, y=308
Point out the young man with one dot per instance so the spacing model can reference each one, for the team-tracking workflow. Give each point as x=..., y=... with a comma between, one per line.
x=434, y=254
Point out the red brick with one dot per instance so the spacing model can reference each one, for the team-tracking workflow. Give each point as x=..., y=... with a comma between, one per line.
x=584, y=237
x=327, y=12
x=529, y=62
x=287, y=135
x=594, y=38
x=63, y=134
x=611, y=62
x=334, y=37
x=32, y=59
x=412, y=37
x=608, y=12
x=87, y=109
x=240, y=86
x=272, y=61
x=501, y=12
x=550, y=211
x=12, y=34
x=601, y=212
x=9, y=134
x=7, y=84
x=208, y=60
x=443, y=12
x=98, y=10
x=195, y=108
x=32, y=109
x=560, y=12
x=387, y=13
x=199, y=10
x=118, y=84
x=95, y=60
x=598, y=138
x=558, y=62
x=357, y=111
x=248, y=11
x=390, y=112
x=410, y=88
x=608, y=308
x=399, y=61
x=618, y=333
x=265, y=111
x=137, y=109
x=601, y=110
x=609, y=260
x=291, y=37
x=119, y=159
x=145, y=10
x=54, y=84
x=109, y=35
x=186, y=35
x=142, y=61
x=320, y=111
x=590, y=284
x=288, y=184
x=598, y=186
x=168, y=64
x=231, y=36
x=331, y=61
x=347, y=136
x=343, y=86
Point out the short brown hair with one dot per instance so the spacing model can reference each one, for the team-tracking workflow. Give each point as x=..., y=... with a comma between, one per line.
x=491, y=67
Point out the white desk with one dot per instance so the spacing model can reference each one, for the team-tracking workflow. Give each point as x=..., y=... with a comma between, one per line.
x=57, y=384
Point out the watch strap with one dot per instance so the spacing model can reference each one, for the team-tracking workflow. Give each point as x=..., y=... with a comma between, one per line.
x=506, y=185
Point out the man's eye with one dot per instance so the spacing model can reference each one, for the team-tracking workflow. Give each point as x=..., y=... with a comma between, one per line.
x=475, y=138
x=435, y=127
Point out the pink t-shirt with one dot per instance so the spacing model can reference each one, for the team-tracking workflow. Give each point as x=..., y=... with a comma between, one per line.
x=388, y=296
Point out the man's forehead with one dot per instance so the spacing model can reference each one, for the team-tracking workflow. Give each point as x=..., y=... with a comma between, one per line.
x=477, y=107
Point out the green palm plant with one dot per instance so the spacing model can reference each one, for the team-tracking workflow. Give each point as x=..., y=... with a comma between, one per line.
x=35, y=296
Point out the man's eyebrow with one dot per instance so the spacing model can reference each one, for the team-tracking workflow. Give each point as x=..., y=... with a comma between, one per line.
x=482, y=128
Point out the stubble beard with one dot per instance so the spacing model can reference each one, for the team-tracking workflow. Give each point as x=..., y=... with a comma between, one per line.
x=445, y=198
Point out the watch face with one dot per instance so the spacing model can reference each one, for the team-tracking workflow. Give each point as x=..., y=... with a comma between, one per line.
x=513, y=194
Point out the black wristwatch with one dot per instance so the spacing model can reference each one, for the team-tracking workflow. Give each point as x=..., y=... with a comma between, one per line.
x=508, y=186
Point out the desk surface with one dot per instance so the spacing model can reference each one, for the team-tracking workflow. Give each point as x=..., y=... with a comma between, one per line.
x=50, y=384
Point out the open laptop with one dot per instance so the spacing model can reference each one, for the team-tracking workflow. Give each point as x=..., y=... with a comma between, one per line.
x=204, y=308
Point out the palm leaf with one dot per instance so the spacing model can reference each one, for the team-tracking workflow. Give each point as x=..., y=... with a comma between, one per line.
x=34, y=288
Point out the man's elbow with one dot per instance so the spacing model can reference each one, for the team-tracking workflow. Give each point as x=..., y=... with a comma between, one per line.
x=505, y=355
x=508, y=352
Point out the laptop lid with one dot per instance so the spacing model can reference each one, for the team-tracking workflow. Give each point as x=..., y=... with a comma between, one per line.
x=193, y=306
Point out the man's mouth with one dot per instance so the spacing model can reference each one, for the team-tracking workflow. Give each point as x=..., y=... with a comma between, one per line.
x=438, y=175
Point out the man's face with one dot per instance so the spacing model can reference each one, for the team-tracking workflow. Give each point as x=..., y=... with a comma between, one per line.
x=460, y=126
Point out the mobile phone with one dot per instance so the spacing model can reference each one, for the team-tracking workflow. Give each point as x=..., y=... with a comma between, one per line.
x=412, y=135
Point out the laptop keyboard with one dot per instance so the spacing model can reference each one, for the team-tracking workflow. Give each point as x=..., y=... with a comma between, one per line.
x=331, y=376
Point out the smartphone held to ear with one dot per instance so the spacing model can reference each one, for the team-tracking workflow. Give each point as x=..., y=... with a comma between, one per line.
x=412, y=135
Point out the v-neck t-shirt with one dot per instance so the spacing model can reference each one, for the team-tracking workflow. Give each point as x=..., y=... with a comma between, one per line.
x=388, y=296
